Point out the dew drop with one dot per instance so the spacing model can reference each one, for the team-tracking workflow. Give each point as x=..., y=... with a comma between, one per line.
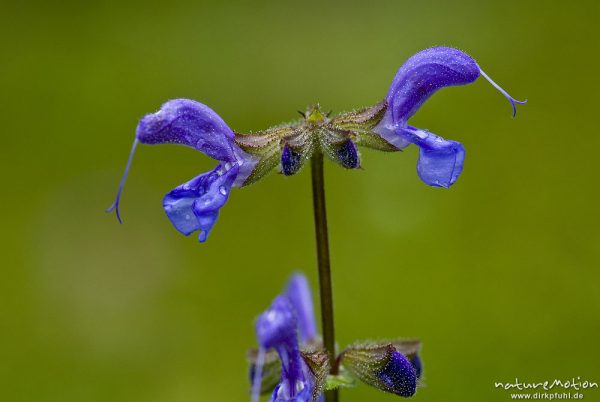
x=223, y=190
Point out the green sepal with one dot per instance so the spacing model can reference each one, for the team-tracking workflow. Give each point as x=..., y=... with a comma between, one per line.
x=341, y=380
x=374, y=141
x=267, y=163
x=318, y=364
x=362, y=119
x=364, y=360
x=271, y=370
x=358, y=126
x=408, y=347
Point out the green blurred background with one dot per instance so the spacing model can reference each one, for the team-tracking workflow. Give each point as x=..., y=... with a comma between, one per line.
x=498, y=276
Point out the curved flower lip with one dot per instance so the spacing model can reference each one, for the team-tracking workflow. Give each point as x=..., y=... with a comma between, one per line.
x=299, y=294
x=194, y=206
x=428, y=71
x=440, y=161
x=277, y=325
x=190, y=123
x=423, y=74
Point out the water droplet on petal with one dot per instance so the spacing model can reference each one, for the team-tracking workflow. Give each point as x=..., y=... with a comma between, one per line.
x=223, y=190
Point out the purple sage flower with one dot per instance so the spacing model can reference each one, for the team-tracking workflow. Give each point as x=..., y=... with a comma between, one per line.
x=246, y=158
x=299, y=294
x=288, y=328
x=194, y=206
x=440, y=161
x=277, y=328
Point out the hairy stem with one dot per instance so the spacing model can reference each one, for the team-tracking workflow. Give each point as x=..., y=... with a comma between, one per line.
x=326, y=293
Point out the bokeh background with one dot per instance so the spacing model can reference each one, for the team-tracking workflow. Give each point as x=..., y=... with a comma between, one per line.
x=498, y=276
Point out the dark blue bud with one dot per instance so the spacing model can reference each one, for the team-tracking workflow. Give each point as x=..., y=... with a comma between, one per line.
x=291, y=161
x=347, y=155
x=399, y=376
x=417, y=364
x=381, y=366
x=410, y=348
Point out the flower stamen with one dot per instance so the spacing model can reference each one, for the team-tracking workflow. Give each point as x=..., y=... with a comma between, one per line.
x=512, y=100
x=115, y=204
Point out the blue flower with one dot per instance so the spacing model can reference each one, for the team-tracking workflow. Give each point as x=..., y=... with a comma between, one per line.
x=289, y=318
x=194, y=206
x=300, y=296
x=440, y=161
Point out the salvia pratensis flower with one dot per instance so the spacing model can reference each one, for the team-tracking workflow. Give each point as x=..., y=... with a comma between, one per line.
x=292, y=366
x=277, y=328
x=246, y=158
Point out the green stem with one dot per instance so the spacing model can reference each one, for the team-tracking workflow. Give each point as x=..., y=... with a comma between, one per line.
x=326, y=293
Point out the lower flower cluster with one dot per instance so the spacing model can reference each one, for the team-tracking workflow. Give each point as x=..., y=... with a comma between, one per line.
x=291, y=364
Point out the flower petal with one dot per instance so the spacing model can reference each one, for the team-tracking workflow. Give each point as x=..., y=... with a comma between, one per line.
x=277, y=328
x=195, y=205
x=423, y=74
x=440, y=161
x=190, y=123
x=298, y=291
x=277, y=325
